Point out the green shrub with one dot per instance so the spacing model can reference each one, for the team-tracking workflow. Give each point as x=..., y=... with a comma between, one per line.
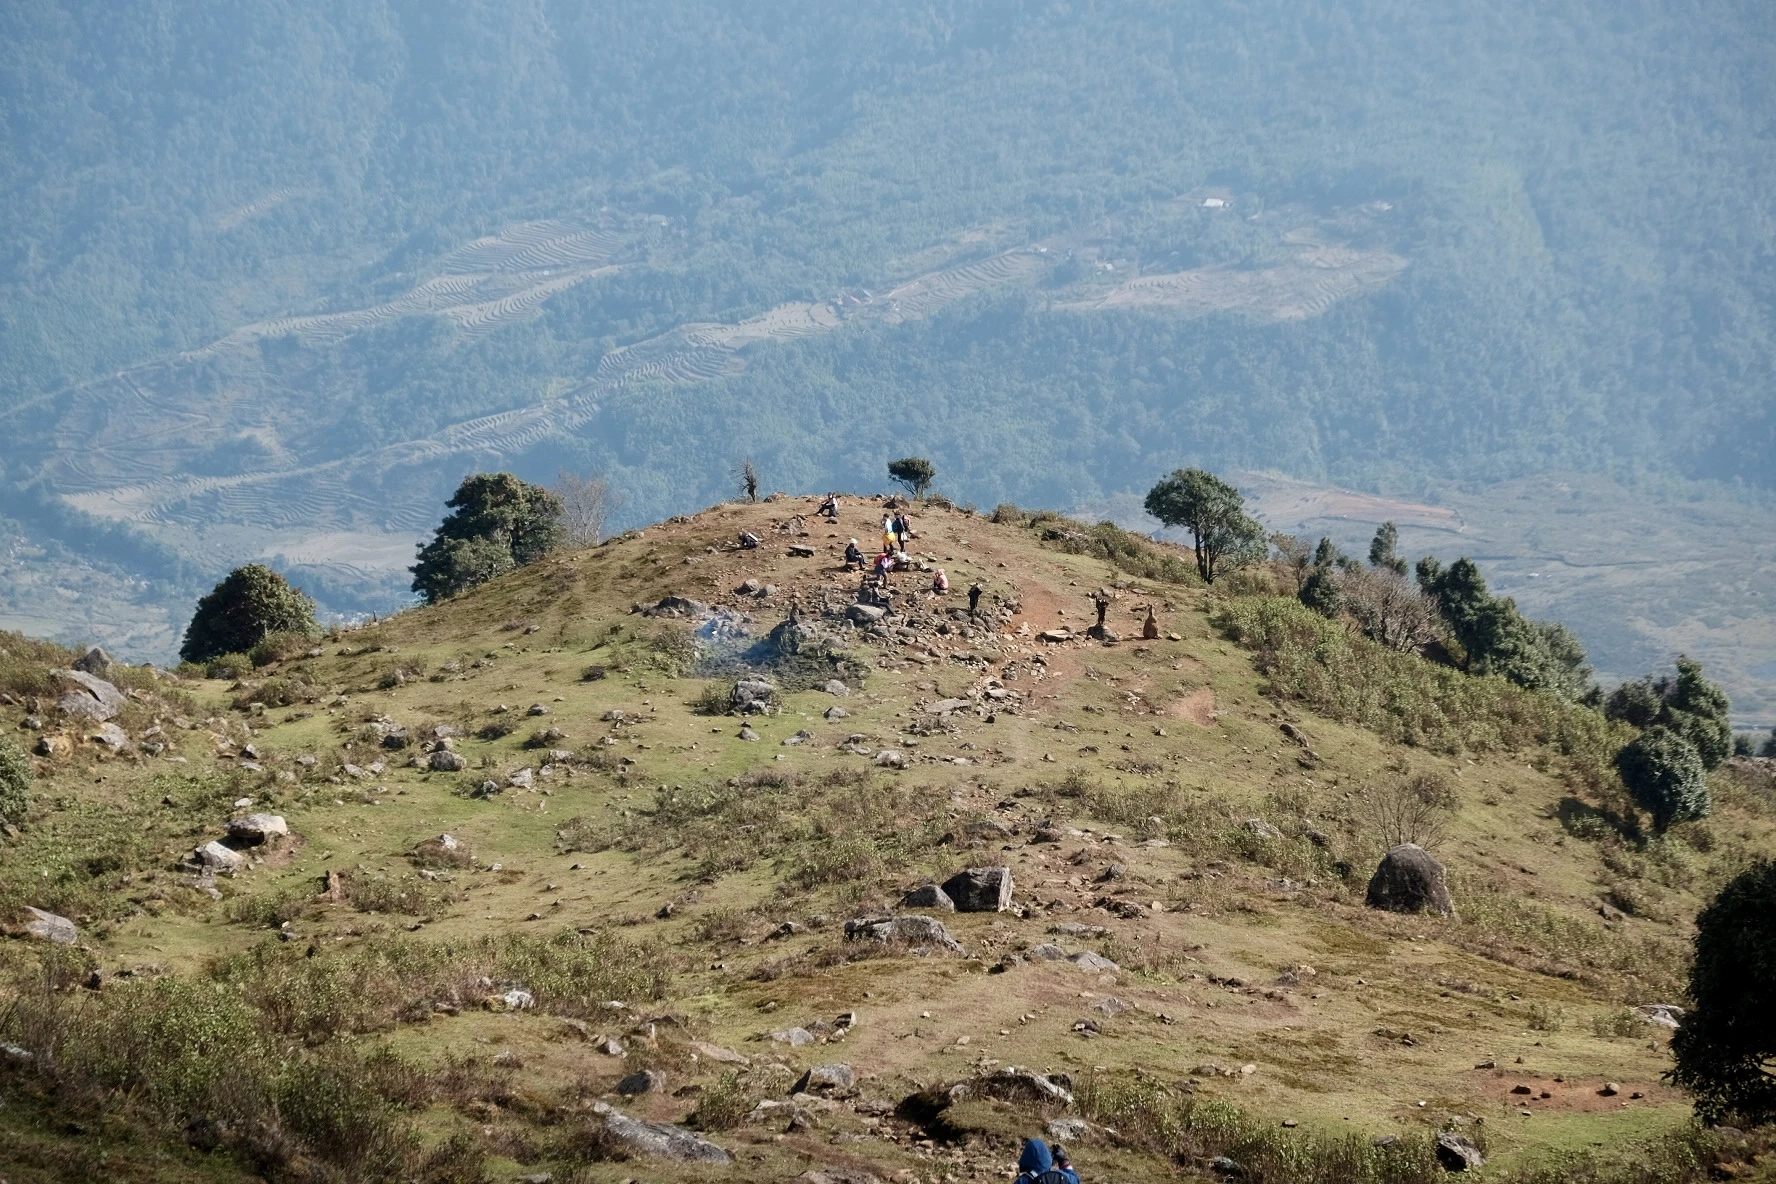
x=1664, y=773
x=723, y=1105
x=1347, y=677
x=15, y=783
x=249, y=605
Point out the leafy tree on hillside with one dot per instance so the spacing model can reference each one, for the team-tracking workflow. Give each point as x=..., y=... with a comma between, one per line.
x=497, y=523
x=249, y=604
x=1214, y=513
x=1383, y=549
x=1495, y=638
x=1664, y=773
x=15, y=783
x=1689, y=704
x=1726, y=1047
x=914, y=472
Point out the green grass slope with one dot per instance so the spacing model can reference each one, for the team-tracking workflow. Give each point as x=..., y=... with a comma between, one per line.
x=1203, y=810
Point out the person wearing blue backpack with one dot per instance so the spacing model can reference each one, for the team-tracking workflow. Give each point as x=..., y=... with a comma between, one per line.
x=1040, y=1165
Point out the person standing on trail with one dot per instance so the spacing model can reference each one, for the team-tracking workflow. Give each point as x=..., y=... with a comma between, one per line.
x=1101, y=600
x=974, y=595
x=903, y=527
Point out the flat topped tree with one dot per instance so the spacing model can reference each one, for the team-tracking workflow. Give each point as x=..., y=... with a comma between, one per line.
x=1214, y=513
x=914, y=472
x=497, y=523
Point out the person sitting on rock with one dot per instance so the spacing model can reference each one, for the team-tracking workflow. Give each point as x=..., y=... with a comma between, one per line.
x=854, y=557
x=940, y=582
x=830, y=507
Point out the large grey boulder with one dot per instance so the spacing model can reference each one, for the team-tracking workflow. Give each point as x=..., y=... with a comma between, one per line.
x=930, y=896
x=88, y=696
x=980, y=889
x=94, y=661
x=1409, y=880
x=662, y=1139
x=254, y=829
x=1456, y=1154
x=753, y=696
x=826, y=1079
x=215, y=856
x=909, y=929
x=446, y=761
x=47, y=926
x=866, y=614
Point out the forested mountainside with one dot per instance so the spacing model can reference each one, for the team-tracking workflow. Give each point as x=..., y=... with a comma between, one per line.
x=274, y=277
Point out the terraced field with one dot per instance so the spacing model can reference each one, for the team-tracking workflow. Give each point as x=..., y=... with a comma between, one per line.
x=223, y=444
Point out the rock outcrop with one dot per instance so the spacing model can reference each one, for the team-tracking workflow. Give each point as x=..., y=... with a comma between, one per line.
x=980, y=889
x=1409, y=880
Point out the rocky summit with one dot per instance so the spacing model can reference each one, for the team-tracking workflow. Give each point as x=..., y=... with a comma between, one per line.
x=586, y=874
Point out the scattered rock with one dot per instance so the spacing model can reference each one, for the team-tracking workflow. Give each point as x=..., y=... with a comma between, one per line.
x=676, y=606
x=908, y=929
x=94, y=661
x=254, y=829
x=716, y=1052
x=826, y=1079
x=1409, y=880
x=891, y=758
x=1610, y=1089
x=522, y=779
x=746, y=733
x=794, y=1037
x=215, y=856
x=644, y=1081
x=537, y=709
x=837, y=1176
x=1055, y=635
x=53, y=746
x=1456, y=1154
x=446, y=761
x=110, y=736
x=801, y=737
x=1068, y=1130
x=51, y=927
x=663, y=1139
x=1046, y=952
x=835, y=687
x=980, y=889
x=1666, y=1015
x=89, y=696
x=866, y=614
x=836, y=712
x=1086, y=960
x=930, y=896
x=1223, y=1165
x=396, y=739
x=1261, y=828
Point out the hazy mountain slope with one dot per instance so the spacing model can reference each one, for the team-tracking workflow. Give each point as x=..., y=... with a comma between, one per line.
x=273, y=278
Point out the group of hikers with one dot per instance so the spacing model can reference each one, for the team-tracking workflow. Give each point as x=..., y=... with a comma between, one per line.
x=897, y=530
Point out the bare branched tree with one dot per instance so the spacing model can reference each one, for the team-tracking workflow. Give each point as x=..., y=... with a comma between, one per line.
x=587, y=504
x=1410, y=809
x=1389, y=608
x=1295, y=554
x=746, y=473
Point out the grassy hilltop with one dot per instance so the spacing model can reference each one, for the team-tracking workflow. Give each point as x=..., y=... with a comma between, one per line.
x=641, y=888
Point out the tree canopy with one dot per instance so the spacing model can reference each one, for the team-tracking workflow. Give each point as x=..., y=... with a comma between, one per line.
x=249, y=604
x=1726, y=1046
x=1214, y=513
x=914, y=472
x=1687, y=704
x=497, y=522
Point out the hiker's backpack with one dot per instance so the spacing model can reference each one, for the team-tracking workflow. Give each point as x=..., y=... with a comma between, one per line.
x=1051, y=1176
